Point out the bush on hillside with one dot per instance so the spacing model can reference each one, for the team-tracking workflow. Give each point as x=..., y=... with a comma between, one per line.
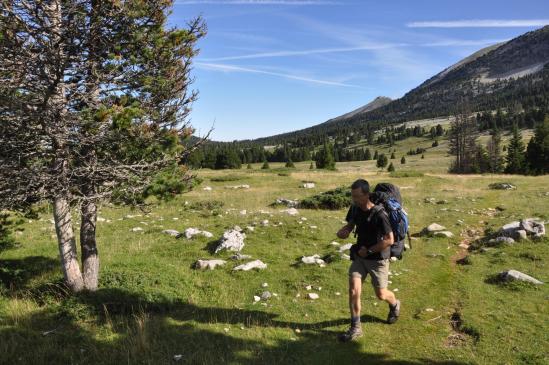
x=411, y=173
x=338, y=198
x=224, y=178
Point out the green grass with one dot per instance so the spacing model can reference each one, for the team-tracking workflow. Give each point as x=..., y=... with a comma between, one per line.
x=151, y=305
x=406, y=174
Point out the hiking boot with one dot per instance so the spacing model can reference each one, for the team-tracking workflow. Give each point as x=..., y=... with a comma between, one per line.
x=351, y=334
x=394, y=312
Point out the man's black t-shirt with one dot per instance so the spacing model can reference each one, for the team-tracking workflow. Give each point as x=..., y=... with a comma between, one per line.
x=371, y=226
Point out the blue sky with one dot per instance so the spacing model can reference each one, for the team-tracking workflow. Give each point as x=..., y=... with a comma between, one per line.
x=273, y=66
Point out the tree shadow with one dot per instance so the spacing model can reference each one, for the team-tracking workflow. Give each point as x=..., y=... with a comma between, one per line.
x=15, y=274
x=6, y=240
x=152, y=333
x=120, y=302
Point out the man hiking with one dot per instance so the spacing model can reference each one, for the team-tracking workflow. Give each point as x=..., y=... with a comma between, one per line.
x=370, y=255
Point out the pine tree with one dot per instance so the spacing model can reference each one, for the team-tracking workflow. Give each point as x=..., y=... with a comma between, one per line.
x=403, y=160
x=265, y=165
x=376, y=155
x=422, y=156
x=382, y=161
x=290, y=164
x=494, y=152
x=311, y=166
x=94, y=108
x=481, y=162
x=227, y=159
x=515, y=154
x=391, y=168
x=367, y=155
x=325, y=157
x=537, y=153
x=393, y=156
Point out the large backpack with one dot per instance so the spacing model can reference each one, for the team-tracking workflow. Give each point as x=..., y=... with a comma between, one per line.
x=387, y=197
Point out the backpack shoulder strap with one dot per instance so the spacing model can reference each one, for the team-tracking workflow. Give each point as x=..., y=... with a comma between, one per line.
x=377, y=209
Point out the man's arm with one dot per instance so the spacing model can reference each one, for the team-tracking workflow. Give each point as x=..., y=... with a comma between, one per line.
x=382, y=244
x=345, y=231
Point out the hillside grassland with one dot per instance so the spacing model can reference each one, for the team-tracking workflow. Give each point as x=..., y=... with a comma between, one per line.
x=152, y=305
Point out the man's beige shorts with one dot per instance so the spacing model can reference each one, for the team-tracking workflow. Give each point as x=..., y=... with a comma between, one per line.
x=378, y=270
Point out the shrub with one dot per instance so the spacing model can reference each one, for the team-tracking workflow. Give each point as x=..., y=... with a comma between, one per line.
x=333, y=199
x=224, y=178
x=381, y=161
x=206, y=205
x=412, y=173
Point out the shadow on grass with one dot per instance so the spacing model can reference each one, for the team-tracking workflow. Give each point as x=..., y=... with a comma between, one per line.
x=153, y=331
x=16, y=273
x=211, y=246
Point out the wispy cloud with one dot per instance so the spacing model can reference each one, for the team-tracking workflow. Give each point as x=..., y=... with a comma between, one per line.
x=370, y=47
x=256, y=2
x=480, y=23
x=463, y=42
x=308, y=52
x=232, y=68
x=244, y=37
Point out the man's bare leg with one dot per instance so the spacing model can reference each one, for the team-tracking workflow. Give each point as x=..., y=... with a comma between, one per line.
x=394, y=304
x=355, y=289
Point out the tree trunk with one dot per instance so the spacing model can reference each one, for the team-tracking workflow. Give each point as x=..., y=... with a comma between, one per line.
x=90, y=256
x=88, y=244
x=67, y=244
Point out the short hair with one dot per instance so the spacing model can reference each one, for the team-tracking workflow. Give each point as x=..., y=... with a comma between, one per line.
x=362, y=184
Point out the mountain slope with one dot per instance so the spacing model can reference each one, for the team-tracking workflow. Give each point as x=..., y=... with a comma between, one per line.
x=505, y=74
x=462, y=63
x=374, y=104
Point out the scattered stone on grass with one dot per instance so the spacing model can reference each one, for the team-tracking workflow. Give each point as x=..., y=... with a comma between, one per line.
x=502, y=186
x=314, y=259
x=232, y=240
x=191, y=232
x=514, y=275
x=257, y=264
x=208, y=264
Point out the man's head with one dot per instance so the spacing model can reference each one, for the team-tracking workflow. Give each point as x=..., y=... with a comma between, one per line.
x=360, y=193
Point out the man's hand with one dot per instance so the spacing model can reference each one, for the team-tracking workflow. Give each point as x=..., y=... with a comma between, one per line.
x=362, y=251
x=344, y=232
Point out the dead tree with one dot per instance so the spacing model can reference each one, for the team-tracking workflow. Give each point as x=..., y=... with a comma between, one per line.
x=462, y=139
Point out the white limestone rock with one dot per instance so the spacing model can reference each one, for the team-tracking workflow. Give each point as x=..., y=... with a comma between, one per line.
x=446, y=234
x=257, y=264
x=511, y=275
x=232, y=240
x=208, y=264
x=314, y=259
x=171, y=232
x=290, y=211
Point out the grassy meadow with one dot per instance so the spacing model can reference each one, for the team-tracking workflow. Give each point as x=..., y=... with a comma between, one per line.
x=152, y=305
